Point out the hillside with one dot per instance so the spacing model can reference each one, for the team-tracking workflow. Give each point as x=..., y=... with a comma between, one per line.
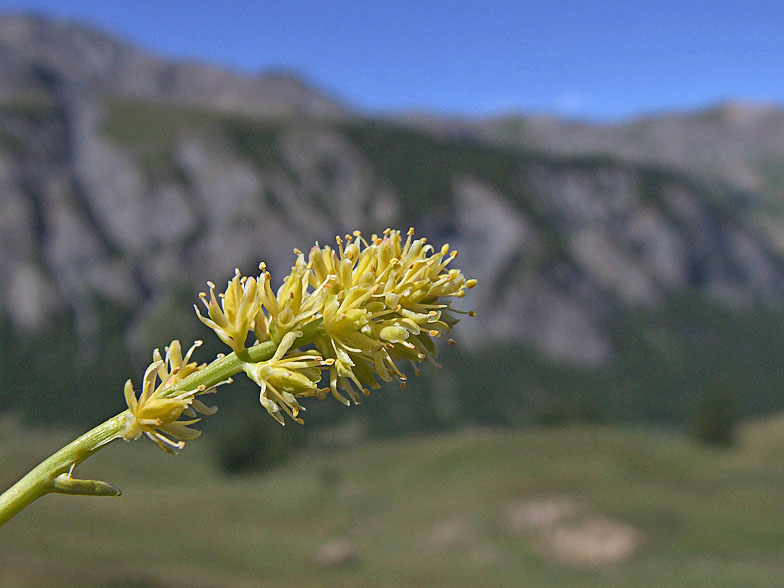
x=741, y=144
x=736, y=142
x=126, y=182
x=582, y=506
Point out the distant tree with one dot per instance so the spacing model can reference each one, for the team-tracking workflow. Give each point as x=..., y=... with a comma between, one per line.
x=256, y=443
x=715, y=418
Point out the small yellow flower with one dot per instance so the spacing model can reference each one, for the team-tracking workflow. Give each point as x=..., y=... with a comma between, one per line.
x=283, y=378
x=233, y=318
x=293, y=306
x=348, y=345
x=157, y=410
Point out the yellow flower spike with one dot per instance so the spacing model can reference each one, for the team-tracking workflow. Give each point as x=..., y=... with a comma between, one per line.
x=389, y=299
x=380, y=300
x=232, y=318
x=365, y=304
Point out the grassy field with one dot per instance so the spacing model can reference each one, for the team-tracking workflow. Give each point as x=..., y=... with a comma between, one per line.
x=576, y=506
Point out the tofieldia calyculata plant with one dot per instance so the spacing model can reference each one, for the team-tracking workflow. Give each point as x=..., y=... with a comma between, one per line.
x=344, y=319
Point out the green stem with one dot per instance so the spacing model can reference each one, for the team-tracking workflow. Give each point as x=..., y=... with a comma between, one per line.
x=42, y=479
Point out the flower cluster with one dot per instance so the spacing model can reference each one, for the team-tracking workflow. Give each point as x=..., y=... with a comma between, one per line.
x=286, y=376
x=377, y=302
x=156, y=412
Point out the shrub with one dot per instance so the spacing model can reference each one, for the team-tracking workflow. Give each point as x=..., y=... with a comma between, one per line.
x=715, y=418
x=256, y=443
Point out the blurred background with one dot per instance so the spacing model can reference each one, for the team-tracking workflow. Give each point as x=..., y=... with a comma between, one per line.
x=612, y=174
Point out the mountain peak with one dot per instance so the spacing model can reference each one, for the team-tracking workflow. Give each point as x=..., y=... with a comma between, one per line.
x=73, y=54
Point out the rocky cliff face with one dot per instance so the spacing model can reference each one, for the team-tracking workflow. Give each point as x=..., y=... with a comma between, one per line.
x=127, y=180
x=735, y=142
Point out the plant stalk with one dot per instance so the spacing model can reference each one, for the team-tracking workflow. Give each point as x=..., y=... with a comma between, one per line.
x=43, y=479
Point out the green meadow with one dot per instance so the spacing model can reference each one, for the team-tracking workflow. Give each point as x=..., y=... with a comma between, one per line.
x=547, y=506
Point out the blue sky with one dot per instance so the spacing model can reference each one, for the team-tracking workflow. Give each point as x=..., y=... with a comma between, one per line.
x=601, y=59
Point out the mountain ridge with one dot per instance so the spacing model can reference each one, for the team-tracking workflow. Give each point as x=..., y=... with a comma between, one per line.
x=71, y=53
x=119, y=201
